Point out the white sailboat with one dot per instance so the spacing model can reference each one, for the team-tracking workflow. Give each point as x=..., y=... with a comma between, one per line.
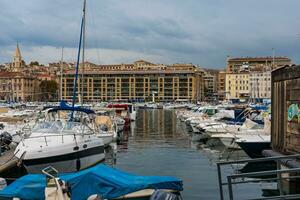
x=65, y=145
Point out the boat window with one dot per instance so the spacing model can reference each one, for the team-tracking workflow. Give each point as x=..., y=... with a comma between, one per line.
x=59, y=127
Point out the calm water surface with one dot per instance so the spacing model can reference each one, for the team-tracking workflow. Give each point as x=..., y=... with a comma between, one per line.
x=159, y=144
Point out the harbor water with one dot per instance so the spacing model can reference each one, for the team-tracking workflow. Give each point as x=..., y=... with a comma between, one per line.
x=159, y=144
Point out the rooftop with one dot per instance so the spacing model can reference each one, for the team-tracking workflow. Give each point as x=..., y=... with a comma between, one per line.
x=269, y=58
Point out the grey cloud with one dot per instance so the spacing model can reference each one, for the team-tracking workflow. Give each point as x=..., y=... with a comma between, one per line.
x=202, y=32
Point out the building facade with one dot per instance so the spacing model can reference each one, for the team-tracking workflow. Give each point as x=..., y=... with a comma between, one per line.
x=221, y=86
x=210, y=78
x=16, y=86
x=260, y=85
x=139, y=81
x=237, y=86
x=16, y=83
x=250, y=77
x=234, y=65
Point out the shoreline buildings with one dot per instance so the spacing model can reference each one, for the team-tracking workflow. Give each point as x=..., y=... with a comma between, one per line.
x=139, y=81
x=245, y=78
x=250, y=77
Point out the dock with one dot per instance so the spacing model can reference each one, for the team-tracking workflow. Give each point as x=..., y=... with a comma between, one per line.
x=7, y=161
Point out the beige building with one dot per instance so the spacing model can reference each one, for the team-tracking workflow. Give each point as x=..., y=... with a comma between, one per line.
x=16, y=84
x=139, y=81
x=237, y=85
x=249, y=77
x=234, y=65
x=260, y=85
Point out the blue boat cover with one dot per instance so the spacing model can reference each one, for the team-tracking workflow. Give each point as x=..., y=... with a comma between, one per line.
x=100, y=179
x=64, y=106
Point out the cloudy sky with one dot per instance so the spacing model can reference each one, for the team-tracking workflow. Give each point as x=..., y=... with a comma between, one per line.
x=202, y=32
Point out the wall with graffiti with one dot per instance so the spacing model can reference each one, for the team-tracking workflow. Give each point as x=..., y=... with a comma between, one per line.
x=293, y=112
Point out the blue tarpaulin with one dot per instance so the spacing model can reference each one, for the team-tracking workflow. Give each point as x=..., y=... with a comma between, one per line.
x=101, y=179
x=64, y=106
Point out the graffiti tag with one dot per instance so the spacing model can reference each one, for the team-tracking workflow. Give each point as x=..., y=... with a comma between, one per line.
x=293, y=111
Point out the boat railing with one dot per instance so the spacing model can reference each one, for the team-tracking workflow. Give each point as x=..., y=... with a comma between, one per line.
x=81, y=130
x=243, y=178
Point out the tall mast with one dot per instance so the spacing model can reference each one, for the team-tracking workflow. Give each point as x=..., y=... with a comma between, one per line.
x=61, y=72
x=83, y=48
x=77, y=68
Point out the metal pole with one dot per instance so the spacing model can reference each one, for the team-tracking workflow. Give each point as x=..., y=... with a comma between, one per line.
x=83, y=48
x=230, y=188
x=279, y=183
x=76, y=71
x=61, y=71
x=273, y=51
x=220, y=181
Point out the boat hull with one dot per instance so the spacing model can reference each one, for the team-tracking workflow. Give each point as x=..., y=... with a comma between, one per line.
x=70, y=162
x=229, y=143
x=106, y=138
x=254, y=149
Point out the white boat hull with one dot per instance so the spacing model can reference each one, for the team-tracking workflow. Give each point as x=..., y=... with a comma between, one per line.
x=229, y=143
x=66, y=153
x=107, y=138
x=72, y=165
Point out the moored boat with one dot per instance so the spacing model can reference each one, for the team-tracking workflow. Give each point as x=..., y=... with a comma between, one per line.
x=101, y=180
x=253, y=145
x=67, y=145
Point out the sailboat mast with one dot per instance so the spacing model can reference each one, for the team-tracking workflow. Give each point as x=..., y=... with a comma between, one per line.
x=77, y=69
x=83, y=49
x=61, y=72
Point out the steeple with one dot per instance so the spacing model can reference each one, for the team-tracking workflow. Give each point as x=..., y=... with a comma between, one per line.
x=18, y=52
x=17, y=60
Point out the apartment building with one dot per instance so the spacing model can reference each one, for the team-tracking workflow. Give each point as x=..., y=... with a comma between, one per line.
x=139, y=81
x=237, y=86
x=260, y=85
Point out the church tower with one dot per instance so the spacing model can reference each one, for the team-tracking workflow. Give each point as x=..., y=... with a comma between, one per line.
x=18, y=63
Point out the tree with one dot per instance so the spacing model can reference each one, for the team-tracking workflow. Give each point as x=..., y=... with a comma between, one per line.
x=34, y=63
x=48, y=90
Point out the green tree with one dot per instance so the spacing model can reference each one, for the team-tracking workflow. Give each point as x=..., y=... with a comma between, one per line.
x=34, y=63
x=48, y=90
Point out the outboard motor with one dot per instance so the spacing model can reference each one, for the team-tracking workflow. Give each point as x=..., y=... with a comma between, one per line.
x=163, y=195
x=5, y=140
